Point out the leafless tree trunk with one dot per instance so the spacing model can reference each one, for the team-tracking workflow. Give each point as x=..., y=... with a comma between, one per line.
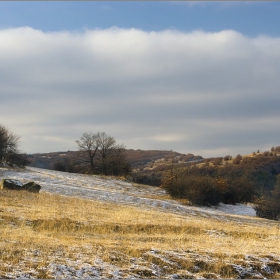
x=107, y=146
x=88, y=147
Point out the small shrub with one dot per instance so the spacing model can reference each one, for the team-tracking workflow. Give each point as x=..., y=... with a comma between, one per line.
x=218, y=161
x=237, y=159
x=228, y=157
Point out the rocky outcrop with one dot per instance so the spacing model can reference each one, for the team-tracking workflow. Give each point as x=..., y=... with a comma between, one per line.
x=17, y=185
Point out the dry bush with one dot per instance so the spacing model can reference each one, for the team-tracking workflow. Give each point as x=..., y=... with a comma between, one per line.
x=269, y=205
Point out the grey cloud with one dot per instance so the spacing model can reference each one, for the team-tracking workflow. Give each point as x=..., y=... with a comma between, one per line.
x=190, y=92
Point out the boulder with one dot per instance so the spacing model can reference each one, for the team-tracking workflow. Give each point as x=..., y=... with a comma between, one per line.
x=11, y=184
x=17, y=185
x=32, y=187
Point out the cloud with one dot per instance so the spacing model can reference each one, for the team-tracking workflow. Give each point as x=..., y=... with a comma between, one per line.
x=206, y=93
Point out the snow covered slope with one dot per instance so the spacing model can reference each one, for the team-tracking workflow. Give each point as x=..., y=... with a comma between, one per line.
x=117, y=191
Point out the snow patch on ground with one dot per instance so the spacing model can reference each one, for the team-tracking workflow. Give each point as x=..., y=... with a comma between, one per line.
x=121, y=192
x=238, y=209
x=62, y=267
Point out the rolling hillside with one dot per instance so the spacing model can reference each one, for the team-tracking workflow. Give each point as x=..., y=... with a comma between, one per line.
x=82, y=226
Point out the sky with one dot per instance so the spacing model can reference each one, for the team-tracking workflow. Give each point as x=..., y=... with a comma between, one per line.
x=192, y=77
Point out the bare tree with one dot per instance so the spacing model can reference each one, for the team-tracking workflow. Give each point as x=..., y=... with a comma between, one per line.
x=103, y=154
x=8, y=142
x=88, y=147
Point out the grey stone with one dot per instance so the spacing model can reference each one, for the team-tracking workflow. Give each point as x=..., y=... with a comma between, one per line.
x=32, y=187
x=11, y=184
x=17, y=185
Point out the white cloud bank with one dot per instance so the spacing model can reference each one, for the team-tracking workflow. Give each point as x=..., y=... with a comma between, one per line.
x=206, y=93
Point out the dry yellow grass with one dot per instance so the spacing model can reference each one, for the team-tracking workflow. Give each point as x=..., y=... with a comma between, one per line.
x=63, y=227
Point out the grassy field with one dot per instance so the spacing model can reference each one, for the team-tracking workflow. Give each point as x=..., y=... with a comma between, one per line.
x=51, y=236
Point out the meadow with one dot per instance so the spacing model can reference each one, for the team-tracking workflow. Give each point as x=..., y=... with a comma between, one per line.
x=49, y=235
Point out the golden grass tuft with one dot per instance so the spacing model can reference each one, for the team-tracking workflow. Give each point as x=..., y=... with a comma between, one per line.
x=45, y=228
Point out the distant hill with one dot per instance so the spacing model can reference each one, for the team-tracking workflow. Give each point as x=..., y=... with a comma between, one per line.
x=149, y=159
x=138, y=159
x=46, y=160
